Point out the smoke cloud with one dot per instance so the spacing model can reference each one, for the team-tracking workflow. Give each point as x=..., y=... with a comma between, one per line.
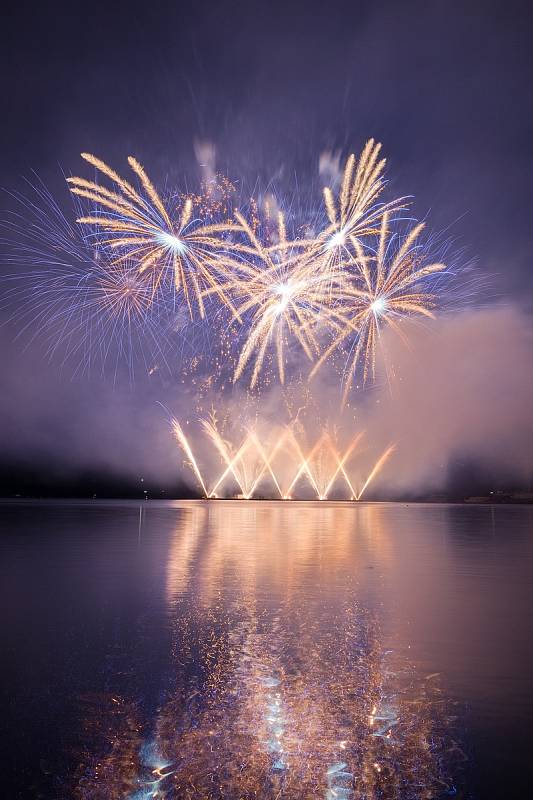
x=463, y=389
x=205, y=153
x=460, y=387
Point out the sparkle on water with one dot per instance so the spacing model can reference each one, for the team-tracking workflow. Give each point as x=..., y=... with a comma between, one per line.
x=263, y=649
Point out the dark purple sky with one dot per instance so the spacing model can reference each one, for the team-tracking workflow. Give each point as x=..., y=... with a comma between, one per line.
x=446, y=86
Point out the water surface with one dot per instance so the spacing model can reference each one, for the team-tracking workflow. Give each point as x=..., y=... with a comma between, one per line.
x=241, y=649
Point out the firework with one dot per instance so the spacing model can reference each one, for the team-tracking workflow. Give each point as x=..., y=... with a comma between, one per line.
x=139, y=226
x=239, y=463
x=282, y=295
x=89, y=308
x=297, y=288
x=384, y=288
x=282, y=457
x=355, y=213
x=182, y=440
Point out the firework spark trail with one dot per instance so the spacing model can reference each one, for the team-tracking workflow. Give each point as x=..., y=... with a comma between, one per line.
x=377, y=466
x=384, y=290
x=341, y=462
x=140, y=227
x=287, y=297
x=182, y=440
x=252, y=460
x=304, y=466
x=236, y=465
x=231, y=467
x=267, y=464
x=355, y=214
x=222, y=447
x=285, y=294
x=80, y=303
x=243, y=475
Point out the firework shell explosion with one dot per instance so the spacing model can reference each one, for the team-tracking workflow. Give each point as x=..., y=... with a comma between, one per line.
x=283, y=296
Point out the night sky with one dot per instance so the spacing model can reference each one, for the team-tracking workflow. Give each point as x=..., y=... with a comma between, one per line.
x=446, y=86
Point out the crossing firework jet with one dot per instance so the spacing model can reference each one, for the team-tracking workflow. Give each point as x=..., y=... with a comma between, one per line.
x=283, y=461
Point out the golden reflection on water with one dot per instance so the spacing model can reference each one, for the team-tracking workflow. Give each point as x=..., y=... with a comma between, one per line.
x=280, y=683
x=272, y=543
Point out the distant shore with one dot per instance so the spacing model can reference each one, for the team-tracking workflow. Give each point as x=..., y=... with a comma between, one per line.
x=495, y=498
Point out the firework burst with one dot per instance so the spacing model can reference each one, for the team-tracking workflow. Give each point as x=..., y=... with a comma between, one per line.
x=195, y=254
x=300, y=290
x=356, y=212
x=91, y=309
x=282, y=296
x=136, y=257
x=385, y=286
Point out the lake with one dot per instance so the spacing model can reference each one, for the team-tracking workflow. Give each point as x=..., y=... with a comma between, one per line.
x=247, y=649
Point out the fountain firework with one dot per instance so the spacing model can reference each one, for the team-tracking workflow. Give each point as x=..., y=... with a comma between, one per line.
x=284, y=461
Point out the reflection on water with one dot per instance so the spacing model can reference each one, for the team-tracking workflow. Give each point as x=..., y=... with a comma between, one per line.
x=286, y=692
x=241, y=649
